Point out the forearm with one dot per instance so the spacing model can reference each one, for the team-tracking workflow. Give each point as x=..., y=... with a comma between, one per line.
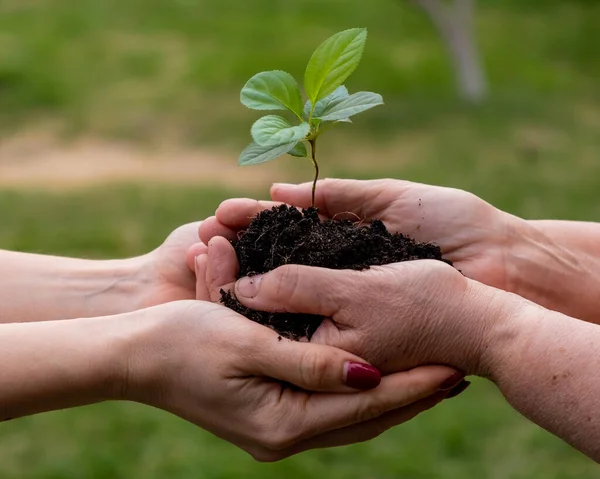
x=548, y=370
x=59, y=364
x=580, y=236
x=556, y=267
x=42, y=288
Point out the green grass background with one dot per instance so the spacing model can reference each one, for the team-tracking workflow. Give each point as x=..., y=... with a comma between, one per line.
x=142, y=70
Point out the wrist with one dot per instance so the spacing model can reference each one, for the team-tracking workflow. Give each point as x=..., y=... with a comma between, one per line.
x=161, y=342
x=153, y=341
x=509, y=323
x=112, y=286
x=476, y=327
x=546, y=273
x=108, y=351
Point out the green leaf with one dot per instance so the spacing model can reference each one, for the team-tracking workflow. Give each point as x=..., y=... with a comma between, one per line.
x=339, y=93
x=333, y=62
x=255, y=154
x=350, y=106
x=299, y=150
x=273, y=90
x=273, y=130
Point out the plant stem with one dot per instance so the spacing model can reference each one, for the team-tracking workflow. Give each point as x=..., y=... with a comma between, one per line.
x=313, y=158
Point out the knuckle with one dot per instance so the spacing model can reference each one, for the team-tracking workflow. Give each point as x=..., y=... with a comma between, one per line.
x=299, y=286
x=417, y=388
x=314, y=370
x=287, y=282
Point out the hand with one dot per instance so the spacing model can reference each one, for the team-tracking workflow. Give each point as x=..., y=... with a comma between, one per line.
x=263, y=416
x=233, y=377
x=470, y=232
x=166, y=274
x=396, y=316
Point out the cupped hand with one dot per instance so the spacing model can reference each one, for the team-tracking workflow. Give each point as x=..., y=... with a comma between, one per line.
x=395, y=316
x=470, y=232
x=167, y=273
x=270, y=397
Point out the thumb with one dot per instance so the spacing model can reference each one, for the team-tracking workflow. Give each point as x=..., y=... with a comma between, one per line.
x=298, y=289
x=192, y=253
x=332, y=197
x=315, y=367
x=222, y=268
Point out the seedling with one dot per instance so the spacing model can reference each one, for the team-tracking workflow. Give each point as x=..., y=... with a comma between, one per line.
x=329, y=102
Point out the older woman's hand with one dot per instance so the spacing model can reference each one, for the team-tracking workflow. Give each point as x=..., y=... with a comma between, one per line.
x=418, y=312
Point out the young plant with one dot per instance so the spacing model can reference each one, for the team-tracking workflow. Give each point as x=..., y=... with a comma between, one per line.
x=329, y=102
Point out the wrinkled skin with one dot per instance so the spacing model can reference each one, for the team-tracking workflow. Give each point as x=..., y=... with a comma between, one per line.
x=396, y=316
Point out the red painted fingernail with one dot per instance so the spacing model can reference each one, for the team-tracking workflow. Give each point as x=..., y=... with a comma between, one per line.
x=458, y=389
x=452, y=381
x=361, y=376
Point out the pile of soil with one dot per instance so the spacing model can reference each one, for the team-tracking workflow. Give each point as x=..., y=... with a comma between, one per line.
x=285, y=235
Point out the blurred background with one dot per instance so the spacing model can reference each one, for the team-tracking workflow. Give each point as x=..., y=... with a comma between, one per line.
x=120, y=120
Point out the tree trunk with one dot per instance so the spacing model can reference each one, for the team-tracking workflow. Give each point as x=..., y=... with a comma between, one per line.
x=454, y=21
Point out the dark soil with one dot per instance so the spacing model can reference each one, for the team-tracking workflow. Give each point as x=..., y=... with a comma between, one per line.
x=284, y=235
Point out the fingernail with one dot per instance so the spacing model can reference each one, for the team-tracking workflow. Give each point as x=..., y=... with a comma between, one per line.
x=361, y=376
x=247, y=287
x=452, y=381
x=458, y=389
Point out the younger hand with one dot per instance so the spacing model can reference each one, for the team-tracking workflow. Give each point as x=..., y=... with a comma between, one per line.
x=166, y=273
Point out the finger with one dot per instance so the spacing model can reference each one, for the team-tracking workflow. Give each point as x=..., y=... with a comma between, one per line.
x=367, y=430
x=223, y=267
x=202, y=293
x=373, y=428
x=212, y=227
x=333, y=197
x=313, y=367
x=298, y=289
x=237, y=213
x=327, y=412
x=193, y=251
